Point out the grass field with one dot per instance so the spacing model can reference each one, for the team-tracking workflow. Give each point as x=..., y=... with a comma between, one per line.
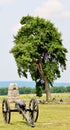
x=51, y=116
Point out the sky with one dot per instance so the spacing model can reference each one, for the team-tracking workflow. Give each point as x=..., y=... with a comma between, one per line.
x=11, y=12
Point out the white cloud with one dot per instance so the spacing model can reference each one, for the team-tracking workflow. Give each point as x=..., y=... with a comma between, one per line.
x=16, y=28
x=52, y=8
x=3, y=2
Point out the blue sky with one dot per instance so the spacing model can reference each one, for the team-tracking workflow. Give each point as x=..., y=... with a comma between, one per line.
x=11, y=11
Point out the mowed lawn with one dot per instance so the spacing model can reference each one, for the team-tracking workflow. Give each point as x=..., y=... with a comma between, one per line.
x=51, y=116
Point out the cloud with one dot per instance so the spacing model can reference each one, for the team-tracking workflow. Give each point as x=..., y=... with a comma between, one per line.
x=16, y=28
x=52, y=8
x=3, y=2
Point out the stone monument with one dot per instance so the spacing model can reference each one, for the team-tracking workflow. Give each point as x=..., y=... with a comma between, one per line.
x=13, y=92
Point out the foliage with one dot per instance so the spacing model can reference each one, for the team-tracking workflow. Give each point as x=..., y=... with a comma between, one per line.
x=38, y=49
x=68, y=89
x=58, y=89
x=40, y=91
x=3, y=91
x=26, y=90
x=39, y=42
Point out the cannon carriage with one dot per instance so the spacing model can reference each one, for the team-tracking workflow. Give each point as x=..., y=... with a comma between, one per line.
x=19, y=106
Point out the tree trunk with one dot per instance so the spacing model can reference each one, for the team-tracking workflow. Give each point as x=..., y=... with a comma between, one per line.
x=47, y=87
x=47, y=90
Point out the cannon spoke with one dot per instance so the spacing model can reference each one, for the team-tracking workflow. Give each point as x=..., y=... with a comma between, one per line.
x=6, y=111
x=34, y=110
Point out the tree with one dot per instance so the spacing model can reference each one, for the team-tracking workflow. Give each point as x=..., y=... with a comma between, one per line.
x=38, y=89
x=38, y=49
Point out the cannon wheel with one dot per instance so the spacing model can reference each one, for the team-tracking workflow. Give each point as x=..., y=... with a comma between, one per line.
x=6, y=111
x=34, y=109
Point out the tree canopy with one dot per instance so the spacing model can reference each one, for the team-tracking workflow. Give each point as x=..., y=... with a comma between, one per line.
x=38, y=49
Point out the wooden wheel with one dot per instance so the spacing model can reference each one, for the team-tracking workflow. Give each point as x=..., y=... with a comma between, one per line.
x=34, y=109
x=6, y=111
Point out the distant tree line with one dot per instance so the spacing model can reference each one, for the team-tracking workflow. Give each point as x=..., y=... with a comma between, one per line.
x=3, y=91
x=27, y=90
x=60, y=89
x=39, y=91
x=22, y=90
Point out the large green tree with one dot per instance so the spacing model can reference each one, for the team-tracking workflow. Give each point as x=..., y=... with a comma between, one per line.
x=38, y=49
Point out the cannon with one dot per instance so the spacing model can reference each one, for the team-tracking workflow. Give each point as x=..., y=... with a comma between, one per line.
x=20, y=107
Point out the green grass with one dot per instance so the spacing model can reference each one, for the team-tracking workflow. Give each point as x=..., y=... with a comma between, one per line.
x=51, y=116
